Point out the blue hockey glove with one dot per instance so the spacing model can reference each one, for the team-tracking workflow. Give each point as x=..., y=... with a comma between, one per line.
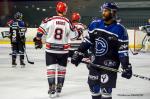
x=127, y=72
x=77, y=58
x=38, y=43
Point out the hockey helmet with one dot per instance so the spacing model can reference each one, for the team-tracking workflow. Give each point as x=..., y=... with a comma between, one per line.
x=109, y=5
x=18, y=16
x=61, y=7
x=75, y=16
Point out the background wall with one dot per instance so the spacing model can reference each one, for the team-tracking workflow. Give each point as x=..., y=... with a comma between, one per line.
x=132, y=12
x=135, y=36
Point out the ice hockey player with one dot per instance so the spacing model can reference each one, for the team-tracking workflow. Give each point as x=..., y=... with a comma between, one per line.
x=146, y=28
x=75, y=18
x=58, y=29
x=109, y=40
x=146, y=40
x=17, y=38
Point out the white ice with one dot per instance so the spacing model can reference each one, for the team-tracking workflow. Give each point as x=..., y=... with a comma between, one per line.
x=31, y=82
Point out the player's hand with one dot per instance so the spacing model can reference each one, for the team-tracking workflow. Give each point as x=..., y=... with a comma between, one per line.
x=127, y=72
x=77, y=58
x=80, y=32
x=38, y=43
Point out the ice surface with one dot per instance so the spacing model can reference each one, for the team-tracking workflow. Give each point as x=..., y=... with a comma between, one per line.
x=31, y=82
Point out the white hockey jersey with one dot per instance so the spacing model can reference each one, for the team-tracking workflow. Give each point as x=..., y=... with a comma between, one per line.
x=81, y=28
x=58, y=31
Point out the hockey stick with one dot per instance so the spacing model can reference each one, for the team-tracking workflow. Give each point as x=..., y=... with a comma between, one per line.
x=27, y=57
x=134, y=53
x=115, y=70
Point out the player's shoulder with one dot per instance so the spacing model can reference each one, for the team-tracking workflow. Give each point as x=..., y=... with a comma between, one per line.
x=9, y=22
x=96, y=21
x=60, y=18
x=94, y=24
x=121, y=30
x=45, y=20
x=80, y=24
x=120, y=27
x=21, y=23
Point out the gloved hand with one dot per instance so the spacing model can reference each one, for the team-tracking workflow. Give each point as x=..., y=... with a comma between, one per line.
x=77, y=58
x=80, y=32
x=38, y=43
x=127, y=72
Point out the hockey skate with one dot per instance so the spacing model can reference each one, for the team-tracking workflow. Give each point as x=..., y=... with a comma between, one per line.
x=22, y=64
x=14, y=64
x=58, y=93
x=51, y=92
x=58, y=90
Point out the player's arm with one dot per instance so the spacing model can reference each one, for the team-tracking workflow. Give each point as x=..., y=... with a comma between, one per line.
x=84, y=46
x=123, y=53
x=40, y=32
x=73, y=33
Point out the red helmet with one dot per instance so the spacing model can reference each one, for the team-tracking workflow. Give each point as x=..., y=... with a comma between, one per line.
x=61, y=7
x=75, y=17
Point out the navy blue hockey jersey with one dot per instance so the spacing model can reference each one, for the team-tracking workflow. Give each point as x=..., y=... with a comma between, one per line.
x=17, y=31
x=109, y=44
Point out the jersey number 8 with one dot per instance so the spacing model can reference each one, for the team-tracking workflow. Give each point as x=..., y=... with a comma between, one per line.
x=58, y=34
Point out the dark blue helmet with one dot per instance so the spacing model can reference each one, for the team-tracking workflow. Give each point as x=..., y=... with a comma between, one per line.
x=18, y=16
x=109, y=5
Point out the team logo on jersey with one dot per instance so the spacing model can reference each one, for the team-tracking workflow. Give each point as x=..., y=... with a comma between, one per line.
x=92, y=77
x=101, y=46
x=124, y=46
x=104, y=78
x=110, y=63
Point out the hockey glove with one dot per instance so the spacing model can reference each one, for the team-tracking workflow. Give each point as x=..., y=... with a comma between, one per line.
x=77, y=58
x=80, y=32
x=127, y=72
x=38, y=43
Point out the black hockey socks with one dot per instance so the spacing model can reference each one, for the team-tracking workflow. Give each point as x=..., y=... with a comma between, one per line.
x=106, y=98
x=96, y=97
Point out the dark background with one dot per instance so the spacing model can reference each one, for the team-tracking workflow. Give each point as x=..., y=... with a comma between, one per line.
x=133, y=13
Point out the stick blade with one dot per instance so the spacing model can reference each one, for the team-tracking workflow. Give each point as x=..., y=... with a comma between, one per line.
x=135, y=53
x=31, y=62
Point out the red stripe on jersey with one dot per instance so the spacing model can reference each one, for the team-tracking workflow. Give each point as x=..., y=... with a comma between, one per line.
x=41, y=30
x=61, y=72
x=51, y=72
x=48, y=45
x=66, y=46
